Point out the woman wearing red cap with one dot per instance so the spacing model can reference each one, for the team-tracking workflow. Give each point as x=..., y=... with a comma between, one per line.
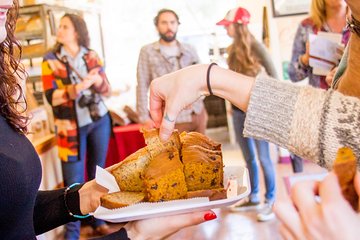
x=249, y=57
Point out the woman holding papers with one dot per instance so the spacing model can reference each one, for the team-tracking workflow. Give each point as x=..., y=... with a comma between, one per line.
x=325, y=16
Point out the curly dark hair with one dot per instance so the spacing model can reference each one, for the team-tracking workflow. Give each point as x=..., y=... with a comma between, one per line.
x=11, y=93
x=80, y=28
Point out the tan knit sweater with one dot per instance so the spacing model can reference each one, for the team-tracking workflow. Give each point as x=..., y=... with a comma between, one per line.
x=310, y=122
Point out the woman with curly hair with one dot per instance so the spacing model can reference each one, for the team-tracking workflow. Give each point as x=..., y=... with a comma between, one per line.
x=249, y=57
x=26, y=212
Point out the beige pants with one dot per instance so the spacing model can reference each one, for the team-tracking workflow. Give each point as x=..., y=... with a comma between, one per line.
x=198, y=124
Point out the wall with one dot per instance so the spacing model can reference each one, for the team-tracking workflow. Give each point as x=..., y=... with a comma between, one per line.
x=127, y=26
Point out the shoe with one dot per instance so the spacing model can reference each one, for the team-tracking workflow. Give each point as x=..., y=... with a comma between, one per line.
x=246, y=206
x=266, y=214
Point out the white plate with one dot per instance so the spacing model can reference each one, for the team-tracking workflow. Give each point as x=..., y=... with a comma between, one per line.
x=151, y=210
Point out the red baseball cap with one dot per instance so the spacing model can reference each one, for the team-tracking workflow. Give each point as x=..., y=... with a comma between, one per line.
x=235, y=15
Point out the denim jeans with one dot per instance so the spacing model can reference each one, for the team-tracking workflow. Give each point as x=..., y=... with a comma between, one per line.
x=94, y=140
x=248, y=146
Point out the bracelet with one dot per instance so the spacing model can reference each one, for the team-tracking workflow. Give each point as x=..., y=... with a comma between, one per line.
x=208, y=78
x=353, y=25
x=66, y=204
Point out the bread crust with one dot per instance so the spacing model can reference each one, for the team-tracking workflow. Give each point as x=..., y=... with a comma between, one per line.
x=345, y=168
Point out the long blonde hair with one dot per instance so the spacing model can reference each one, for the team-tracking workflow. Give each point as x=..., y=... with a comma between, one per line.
x=241, y=58
x=318, y=12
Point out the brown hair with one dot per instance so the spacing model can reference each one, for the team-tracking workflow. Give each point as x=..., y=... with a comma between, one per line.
x=80, y=28
x=241, y=58
x=11, y=94
x=165, y=10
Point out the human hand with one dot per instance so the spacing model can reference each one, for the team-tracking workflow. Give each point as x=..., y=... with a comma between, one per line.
x=306, y=56
x=95, y=76
x=161, y=227
x=330, y=76
x=89, y=196
x=148, y=124
x=174, y=92
x=307, y=218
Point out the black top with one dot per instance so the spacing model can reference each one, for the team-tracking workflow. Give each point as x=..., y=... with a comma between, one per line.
x=24, y=211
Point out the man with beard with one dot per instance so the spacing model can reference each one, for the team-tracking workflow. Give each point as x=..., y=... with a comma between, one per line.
x=162, y=57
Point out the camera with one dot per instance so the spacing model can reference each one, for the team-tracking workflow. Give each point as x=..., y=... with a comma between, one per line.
x=92, y=103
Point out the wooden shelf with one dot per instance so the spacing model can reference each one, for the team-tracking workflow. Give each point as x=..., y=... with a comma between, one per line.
x=29, y=35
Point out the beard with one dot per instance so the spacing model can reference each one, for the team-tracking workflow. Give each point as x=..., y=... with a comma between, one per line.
x=167, y=38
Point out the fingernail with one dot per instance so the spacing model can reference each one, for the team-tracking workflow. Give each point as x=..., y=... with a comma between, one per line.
x=210, y=216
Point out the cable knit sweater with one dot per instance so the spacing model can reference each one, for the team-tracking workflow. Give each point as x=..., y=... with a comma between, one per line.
x=310, y=122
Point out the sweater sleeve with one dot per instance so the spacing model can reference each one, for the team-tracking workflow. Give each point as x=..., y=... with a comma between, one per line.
x=50, y=210
x=311, y=123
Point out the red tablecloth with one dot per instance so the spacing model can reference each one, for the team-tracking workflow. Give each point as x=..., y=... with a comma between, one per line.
x=126, y=140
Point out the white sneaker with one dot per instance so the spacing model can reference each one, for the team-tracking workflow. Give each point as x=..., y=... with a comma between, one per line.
x=266, y=214
x=246, y=206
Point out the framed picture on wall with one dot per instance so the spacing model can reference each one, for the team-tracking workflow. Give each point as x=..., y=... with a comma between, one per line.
x=282, y=8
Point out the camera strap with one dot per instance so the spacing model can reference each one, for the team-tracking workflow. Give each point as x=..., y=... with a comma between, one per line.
x=64, y=59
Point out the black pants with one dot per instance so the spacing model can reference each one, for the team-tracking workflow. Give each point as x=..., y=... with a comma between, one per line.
x=296, y=163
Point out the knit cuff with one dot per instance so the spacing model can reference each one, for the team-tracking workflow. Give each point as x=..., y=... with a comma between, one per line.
x=73, y=200
x=270, y=110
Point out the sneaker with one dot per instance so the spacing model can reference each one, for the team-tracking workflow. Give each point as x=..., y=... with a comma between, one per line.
x=266, y=214
x=246, y=206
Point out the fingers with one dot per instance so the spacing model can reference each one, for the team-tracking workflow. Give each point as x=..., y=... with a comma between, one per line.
x=357, y=184
x=303, y=196
x=291, y=223
x=285, y=233
x=190, y=219
x=167, y=123
x=329, y=190
x=156, y=106
x=94, y=71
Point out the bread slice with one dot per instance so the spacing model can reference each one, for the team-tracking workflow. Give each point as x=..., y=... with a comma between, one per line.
x=121, y=199
x=195, y=138
x=203, y=168
x=164, y=177
x=212, y=194
x=345, y=169
x=156, y=146
x=128, y=173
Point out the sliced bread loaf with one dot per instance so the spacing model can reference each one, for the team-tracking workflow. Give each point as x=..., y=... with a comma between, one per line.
x=121, y=199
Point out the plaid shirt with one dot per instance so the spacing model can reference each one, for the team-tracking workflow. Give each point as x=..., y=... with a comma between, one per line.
x=153, y=64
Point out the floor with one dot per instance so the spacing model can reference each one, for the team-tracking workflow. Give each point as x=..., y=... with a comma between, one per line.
x=230, y=225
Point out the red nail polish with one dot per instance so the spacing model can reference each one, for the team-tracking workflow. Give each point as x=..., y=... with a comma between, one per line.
x=210, y=216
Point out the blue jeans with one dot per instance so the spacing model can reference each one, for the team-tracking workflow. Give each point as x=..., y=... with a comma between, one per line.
x=248, y=146
x=93, y=141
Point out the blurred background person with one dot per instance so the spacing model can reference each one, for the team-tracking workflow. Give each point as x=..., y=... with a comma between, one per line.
x=162, y=57
x=249, y=57
x=326, y=16
x=74, y=82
